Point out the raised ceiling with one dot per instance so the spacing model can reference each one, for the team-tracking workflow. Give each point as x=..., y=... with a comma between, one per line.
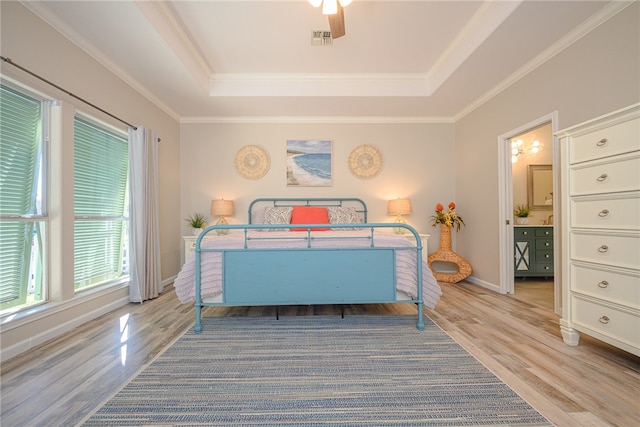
x=253, y=60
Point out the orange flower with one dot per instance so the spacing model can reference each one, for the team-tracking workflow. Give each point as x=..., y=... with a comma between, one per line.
x=448, y=219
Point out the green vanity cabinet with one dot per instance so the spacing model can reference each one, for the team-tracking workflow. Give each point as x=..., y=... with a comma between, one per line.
x=533, y=251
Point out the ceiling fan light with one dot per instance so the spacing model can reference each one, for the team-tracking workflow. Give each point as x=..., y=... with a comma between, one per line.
x=330, y=7
x=315, y=3
x=344, y=3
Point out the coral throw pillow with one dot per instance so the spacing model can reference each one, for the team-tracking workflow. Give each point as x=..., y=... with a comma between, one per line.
x=309, y=215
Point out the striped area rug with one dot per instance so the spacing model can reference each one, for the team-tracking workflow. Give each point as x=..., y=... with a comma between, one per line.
x=363, y=370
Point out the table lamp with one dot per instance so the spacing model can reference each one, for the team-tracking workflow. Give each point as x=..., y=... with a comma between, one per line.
x=397, y=208
x=222, y=208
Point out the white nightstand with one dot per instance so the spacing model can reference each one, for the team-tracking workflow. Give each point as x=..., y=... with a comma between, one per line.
x=424, y=238
x=190, y=244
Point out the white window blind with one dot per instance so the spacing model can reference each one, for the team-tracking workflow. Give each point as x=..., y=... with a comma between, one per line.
x=22, y=219
x=100, y=204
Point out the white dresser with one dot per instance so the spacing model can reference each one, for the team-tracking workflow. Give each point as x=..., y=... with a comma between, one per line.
x=600, y=185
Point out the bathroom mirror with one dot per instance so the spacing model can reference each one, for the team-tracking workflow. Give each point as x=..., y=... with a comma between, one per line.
x=540, y=187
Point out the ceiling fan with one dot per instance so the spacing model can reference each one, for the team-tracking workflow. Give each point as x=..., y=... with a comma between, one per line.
x=333, y=9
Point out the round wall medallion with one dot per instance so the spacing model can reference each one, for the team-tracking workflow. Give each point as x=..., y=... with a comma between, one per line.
x=252, y=161
x=365, y=161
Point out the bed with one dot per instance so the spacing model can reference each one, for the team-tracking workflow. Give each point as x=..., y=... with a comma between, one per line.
x=307, y=252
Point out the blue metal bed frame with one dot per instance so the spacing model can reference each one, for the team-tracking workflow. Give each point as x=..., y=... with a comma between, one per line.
x=308, y=275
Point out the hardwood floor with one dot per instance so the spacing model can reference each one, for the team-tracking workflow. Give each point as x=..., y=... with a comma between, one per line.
x=516, y=336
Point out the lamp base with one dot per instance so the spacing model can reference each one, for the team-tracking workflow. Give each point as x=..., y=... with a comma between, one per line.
x=222, y=231
x=399, y=220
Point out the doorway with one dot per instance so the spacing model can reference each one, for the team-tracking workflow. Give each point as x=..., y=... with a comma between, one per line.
x=518, y=163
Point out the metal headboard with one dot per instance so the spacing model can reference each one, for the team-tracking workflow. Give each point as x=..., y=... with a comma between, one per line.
x=359, y=205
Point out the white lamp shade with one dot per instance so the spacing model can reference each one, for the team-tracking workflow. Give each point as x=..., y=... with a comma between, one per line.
x=222, y=208
x=399, y=207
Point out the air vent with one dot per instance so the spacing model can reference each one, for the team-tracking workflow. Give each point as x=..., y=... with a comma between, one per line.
x=321, y=38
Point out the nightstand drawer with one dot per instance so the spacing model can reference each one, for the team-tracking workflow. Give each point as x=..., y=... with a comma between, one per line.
x=617, y=139
x=608, y=176
x=620, y=211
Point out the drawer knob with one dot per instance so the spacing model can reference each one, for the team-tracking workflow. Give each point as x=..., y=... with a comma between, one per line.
x=524, y=233
x=603, y=284
x=547, y=256
x=193, y=245
x=604, y=320
x=603, y=213
x=602, y=142
x=602, y=177
x=602, y=249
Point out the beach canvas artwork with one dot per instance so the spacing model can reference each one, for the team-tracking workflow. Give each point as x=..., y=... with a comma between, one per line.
x=309, y=163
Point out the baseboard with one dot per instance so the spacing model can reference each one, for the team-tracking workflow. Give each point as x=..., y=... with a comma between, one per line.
x=169, y=281
x=483, y=284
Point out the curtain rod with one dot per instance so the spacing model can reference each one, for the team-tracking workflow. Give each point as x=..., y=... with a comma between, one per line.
x=9, y=61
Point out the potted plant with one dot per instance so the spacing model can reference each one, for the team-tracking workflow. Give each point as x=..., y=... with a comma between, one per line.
x=522, y=213
x=196, y=221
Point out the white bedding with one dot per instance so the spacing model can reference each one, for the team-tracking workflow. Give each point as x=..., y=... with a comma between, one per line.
x=211, y=269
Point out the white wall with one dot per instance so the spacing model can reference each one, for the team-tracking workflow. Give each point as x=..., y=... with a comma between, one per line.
x=418, y=161
x=597, y=74
x=31, y=43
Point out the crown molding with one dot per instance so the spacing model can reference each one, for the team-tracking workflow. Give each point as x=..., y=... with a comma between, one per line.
x=576, y=34
x=314, y=119
x=44, y=13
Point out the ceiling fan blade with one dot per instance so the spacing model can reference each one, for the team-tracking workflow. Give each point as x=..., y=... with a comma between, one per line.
x=336, y=23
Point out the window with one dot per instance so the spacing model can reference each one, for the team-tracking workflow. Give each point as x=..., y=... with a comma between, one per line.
x=23, y=210
x=100, y=204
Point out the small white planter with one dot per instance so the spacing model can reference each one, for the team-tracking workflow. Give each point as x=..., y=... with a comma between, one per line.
x=522, y=220
x=196, y=231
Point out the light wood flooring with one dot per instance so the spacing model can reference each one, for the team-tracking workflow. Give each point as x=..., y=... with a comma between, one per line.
x=516, y=336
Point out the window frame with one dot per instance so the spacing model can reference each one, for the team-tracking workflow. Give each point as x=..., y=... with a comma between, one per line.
x=40, y=217
x=124, y=218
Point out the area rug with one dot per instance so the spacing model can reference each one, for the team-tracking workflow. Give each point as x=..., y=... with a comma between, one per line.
x=361, y=370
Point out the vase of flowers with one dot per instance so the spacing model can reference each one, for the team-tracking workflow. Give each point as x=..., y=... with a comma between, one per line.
x=447, y=220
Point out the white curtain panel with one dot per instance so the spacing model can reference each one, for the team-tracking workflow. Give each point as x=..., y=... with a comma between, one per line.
x=144, y=229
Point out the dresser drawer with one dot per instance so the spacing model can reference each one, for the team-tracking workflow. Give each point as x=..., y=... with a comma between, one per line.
x=617, y=139
x=524, y=233
x=615, y=286
x=619, y=211
x=606, y=176
x=544, y=268
x=621, y=250
x=544, y=232
x=608, y=321
x=544, y=256
x=544, y=243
